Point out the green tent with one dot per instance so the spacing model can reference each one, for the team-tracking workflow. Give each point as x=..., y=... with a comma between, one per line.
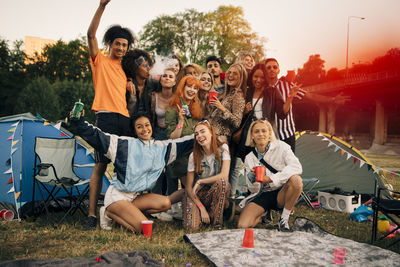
x=335, y=163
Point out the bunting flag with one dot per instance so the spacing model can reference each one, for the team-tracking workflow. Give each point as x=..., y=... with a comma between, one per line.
x=391, y=176
x=369, y=166
x=362, y=163
x=11, y=190
x=348, y=155
x=63, y=134
x=13, y=150
x=10, y=181
x=320, y=134
x=88, y=151
x=46, y=123
x=325, y=139
x=17, y=195
x=9, y=171
x=11, y=137
x=58, y=126
x=354, y=160
x=15, y=124
x=14, y=142
x=342, y=152
x=377, y=170
x=330, y=144
x=336, y=149
x=12, y=130
x=384, y=172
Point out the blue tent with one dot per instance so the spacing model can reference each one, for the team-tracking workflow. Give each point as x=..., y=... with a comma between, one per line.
x=17, y=140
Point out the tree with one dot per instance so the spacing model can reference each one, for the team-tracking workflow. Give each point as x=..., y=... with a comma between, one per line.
x=312, y=72
x=334, y=74
x=13, y=77
x=62, y=61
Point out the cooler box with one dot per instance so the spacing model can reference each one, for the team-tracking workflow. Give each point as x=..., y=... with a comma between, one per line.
x=343, y=203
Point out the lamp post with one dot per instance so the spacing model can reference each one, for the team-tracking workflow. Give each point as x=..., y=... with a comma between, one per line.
x=347, y=48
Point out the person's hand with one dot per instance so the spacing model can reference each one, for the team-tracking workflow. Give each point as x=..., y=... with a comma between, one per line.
x=181, y=113
x=253, y=170
x=104, y=2
x=294, y=90
x=130, y=87
x=341, y=99
x=247, y=108
x=205, y=218
x=216, y=103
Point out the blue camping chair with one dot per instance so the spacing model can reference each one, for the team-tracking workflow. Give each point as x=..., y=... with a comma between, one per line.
x=54, y=174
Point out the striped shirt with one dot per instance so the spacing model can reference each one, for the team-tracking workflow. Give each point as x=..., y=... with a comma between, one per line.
x=286, y=127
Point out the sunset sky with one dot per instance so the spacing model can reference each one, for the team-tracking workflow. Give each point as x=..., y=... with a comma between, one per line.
x=294, y=29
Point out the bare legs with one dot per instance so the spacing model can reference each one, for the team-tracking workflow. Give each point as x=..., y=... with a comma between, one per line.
x=95, y=186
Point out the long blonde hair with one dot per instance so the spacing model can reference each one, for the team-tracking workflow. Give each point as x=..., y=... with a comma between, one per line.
x=243, y=80
x=249, y=139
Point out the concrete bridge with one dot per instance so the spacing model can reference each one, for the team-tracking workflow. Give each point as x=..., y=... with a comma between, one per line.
x=374, y=108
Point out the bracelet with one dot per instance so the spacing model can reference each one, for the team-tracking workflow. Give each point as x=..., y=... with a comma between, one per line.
x=200, y=205
x=179, y=126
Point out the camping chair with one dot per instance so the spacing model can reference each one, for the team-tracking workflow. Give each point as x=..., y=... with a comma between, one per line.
x=55, y=175
x=308, y=186
x=383, y=202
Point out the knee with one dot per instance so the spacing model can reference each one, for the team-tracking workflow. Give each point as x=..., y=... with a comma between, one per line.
x=165, y=203
x=296, y=182
x=243, y=223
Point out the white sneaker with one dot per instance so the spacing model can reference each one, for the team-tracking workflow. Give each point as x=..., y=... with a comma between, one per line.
x=163, y=216
x=177, y=211
x=105, y=221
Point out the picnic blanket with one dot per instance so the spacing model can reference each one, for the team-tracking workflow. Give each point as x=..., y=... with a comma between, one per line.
x=307, y=245
x=110, y=258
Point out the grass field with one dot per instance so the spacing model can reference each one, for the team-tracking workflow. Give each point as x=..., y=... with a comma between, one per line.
x=28, y=239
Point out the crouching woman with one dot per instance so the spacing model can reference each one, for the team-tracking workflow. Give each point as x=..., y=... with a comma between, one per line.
x=207, y=190
x=138, y=162
x=281, y=184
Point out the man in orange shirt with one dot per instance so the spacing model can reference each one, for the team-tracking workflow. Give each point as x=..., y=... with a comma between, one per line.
x=109, y=102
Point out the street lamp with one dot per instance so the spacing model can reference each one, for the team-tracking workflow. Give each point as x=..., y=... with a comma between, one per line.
x=347, y=49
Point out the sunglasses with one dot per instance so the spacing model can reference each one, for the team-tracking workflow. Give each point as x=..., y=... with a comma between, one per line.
x=275, y=67
x=201, y=122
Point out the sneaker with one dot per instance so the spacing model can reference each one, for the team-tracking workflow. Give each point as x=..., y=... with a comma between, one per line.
x=267, y=217
x=89, y=223
x=163, y=216
x=105, y=221
x=284, y=226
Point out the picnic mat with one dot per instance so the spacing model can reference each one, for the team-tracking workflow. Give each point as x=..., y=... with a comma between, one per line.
x=110, y=258
x=307, y=245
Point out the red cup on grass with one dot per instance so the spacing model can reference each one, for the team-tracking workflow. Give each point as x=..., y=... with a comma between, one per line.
x=260, y=173
x=248, y=239
x=339, y=255
x=7, y=215
x=212, y=95
x=147, y=228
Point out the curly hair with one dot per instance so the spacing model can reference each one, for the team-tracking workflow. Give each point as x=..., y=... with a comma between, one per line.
x=116, y=31
x=132, y=60
x=194, y=106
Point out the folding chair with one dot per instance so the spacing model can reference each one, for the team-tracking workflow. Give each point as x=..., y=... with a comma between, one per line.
x=308, y=186
x=383, y=202
x=54, y=174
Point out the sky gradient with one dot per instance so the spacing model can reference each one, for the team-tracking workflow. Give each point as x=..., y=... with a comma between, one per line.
x=294, y=29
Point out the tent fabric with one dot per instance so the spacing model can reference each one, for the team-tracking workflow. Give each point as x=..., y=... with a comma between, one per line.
x=335, y=163
x=17, y=140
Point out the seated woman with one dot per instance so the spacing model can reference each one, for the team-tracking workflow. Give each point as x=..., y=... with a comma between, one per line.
x=208, y=170
x=282, y=184
x=207, y=85
x=138, y=163
x=182, y=115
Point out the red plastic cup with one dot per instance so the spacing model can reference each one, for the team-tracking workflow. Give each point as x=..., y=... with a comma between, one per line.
x=260, y=173
x=339, y=255
x=7, y=215
x=290, y=76
x=248, y=239
x=147, y=228
x=212, y=95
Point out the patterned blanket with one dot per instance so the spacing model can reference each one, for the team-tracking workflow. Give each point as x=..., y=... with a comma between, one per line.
x=307, y=245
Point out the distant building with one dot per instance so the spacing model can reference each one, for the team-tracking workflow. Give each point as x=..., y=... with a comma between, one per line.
x=35, y=44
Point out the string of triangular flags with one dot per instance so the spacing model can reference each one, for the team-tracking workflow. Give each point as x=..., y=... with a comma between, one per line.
x=362, y=162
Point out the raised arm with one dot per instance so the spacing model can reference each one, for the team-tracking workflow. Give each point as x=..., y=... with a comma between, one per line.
x=94, y=24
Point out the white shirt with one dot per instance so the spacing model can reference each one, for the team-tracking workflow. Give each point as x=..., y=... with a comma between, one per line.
x=210, y=159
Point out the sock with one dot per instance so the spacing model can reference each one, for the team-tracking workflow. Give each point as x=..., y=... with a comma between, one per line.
x=285, y=214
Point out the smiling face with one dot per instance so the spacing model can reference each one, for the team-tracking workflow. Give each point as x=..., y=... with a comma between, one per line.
x=233, y=76
x=203, y=135
x=272, y=70
x=191, y=71
x=168, y=79
x=118, y=48
x=258, y=79
x=206, y=81
x=143, y=128
x=175, y=66
x=214, y=68
x=260, y=134
x=248, y=62
x=189, y=92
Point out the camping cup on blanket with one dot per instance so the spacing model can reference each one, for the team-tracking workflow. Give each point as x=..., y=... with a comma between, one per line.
x=260, y=173
x=248, y=239
x=7, y=215
x=212, y=95
x=339, y=255
x=147, y=227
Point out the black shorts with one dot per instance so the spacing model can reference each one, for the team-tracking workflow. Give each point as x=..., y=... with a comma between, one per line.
x=267, y=200
x=113, y=123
